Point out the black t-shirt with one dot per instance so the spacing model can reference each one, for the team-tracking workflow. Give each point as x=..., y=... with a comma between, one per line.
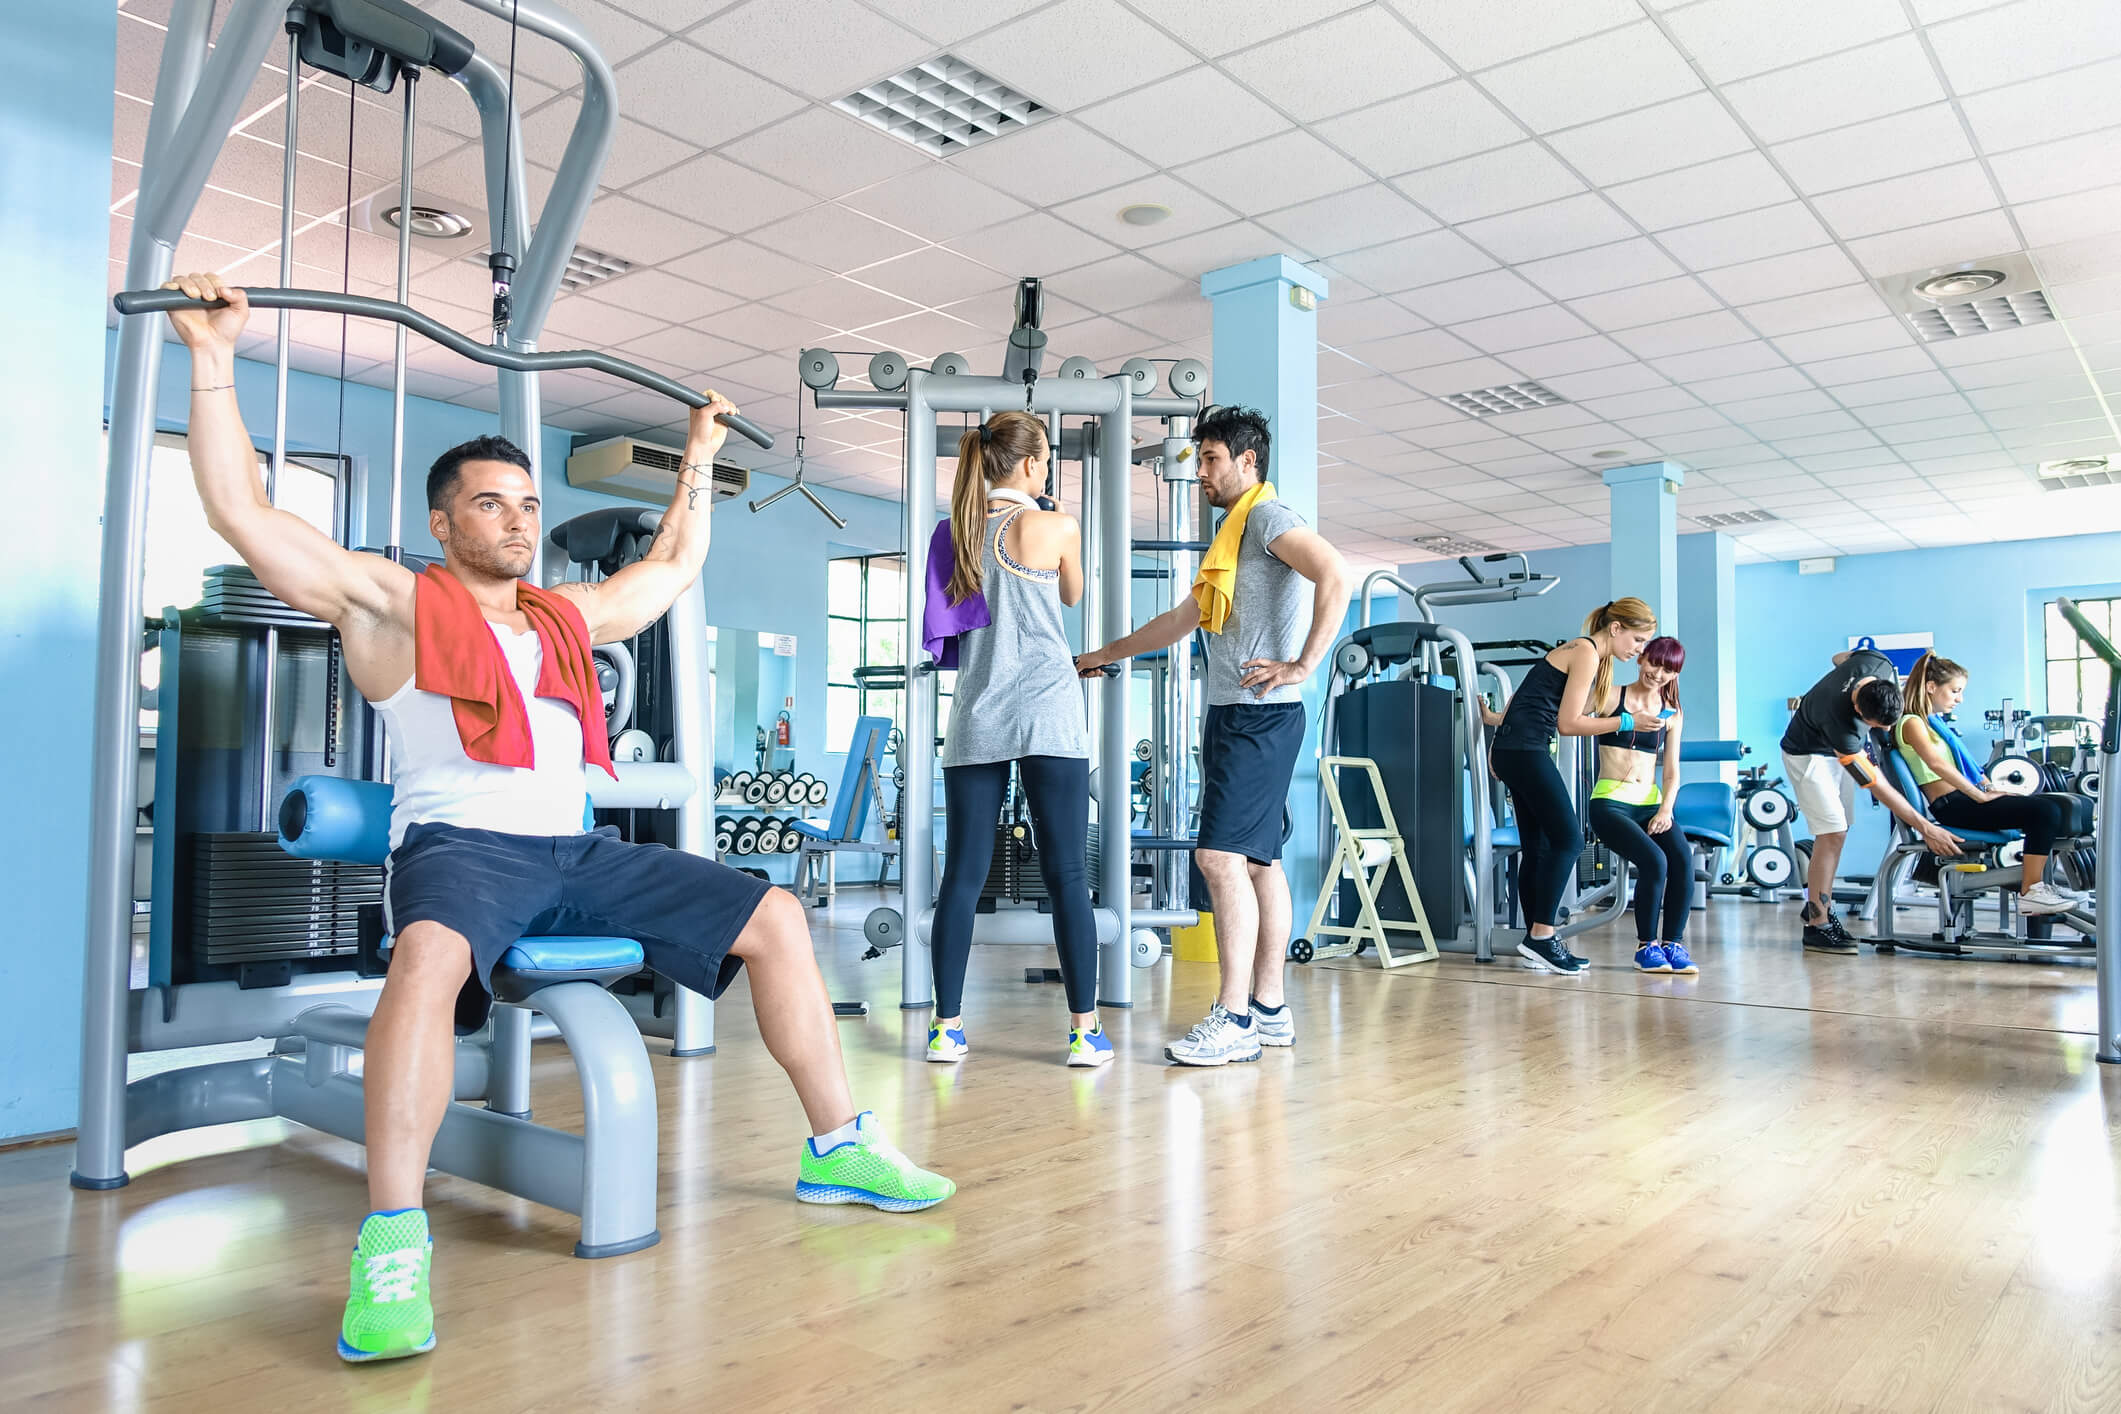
x=1825, y=722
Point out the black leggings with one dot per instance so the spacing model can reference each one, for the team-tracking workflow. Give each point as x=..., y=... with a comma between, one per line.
x=1058, y=790
x=1664, y=865
x=1549, y=839
x=2039, y=816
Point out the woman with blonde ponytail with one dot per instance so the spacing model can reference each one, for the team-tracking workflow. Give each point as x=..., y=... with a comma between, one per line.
x=1018, y=703
x=1957, y=792
x=1555, y=697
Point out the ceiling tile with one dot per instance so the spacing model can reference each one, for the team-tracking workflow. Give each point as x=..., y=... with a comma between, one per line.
x=1679, y=133
x=825, y=48
x=1572, y=356
x=723, y=195
x=1590, y=79
x=1163, y=121
x=1606, y=383
x=1865, y=368
x=938, y=201
x=1422, y=349
x=1502, y=180
x=1646, y=304
x=934, y=276
x=1892, y=146
x=1474, y=297
x=1362, y=57
x=827, y=152
x=2041, y=110
x=744, y=269
x=1963, y=238
x=1551, y=229
x=843, y=304
x=1522, y=329
x=1767, y=382
x=1351, y=220
x=1121, y=282
x=1294, y=166
x=1192, y=212
x=2069, y=218
x=1850, y=87
x=1779, y=275
x=1234, y=244
x=661, y=295
x=1722, y=362
x=2024, y=41
x=1471, y=36
x=2058, y=168
x=1033, y=244
x=1818, y=310
x=927, y=335
x=1753, y=235
x=1439, y=124
x=1744, y=182
x=1431, y=258
x=637, y=150
x=1606, y=267
x=1844, y=339
x=1076, y=53
x=639, y=233
x=1733, y=39
x=1900, y=202
x=1905, y=388
x=832, y=237
x=1344, y=325
x=698, y=97
x=1678, y=336
x=685, y=351
x=1232, y=24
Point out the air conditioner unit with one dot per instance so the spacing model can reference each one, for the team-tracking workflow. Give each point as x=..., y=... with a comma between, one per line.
x=643, y=471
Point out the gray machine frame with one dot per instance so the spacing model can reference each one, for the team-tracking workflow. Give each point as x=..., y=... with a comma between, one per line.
x=197, y=92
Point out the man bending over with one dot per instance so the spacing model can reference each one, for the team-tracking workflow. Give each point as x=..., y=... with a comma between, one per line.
x=493, y=712
x=1824, y=757
x=1262, y=565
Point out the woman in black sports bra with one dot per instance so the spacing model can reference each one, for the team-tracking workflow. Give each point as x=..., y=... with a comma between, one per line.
x=1631, y=807
x=1554, y=697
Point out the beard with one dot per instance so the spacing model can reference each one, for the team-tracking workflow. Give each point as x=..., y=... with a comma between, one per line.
x=494, y=561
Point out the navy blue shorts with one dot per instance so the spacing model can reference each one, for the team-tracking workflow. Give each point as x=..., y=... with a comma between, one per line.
x=684, y=911
x=1247, y=758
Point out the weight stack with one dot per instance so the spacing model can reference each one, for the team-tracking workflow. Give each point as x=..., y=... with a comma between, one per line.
x=251, y=902
x=1408, y=729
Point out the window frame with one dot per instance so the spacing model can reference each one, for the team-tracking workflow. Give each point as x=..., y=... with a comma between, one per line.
x=2077, y=658
x=870, y=613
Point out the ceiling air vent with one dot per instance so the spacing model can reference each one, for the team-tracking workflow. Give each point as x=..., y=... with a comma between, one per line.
x=1724, y=519
x=2079, y=472
x=644, y=471
x=1508, y=397
x=1971, y=297
x=942, y=107
x=1451, y=545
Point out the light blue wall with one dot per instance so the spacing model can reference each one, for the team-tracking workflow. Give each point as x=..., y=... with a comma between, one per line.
x=1982, y=602
x=55, y=146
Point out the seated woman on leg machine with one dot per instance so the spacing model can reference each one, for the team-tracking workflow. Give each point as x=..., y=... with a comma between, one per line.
x=1631, y=807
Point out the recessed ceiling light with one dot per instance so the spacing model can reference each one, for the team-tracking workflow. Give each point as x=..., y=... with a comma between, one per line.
x=431, y=222
x=585, y=267
x=1608, y=455
x=1451, y=545
x=1959, y=285
x=1505, y=397
x=1144, y=213
x=2079, y=472
x=1725, y=518
x=943, y=106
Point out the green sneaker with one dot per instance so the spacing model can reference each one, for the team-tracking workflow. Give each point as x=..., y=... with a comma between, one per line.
x=867, y=1169
x=388, y=1313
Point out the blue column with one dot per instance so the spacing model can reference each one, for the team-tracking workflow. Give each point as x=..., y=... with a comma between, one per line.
x=1708, y=626
x=1265, y=356
x=1645, y=515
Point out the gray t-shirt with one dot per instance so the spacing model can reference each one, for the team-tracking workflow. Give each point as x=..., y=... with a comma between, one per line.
x=1270, y=614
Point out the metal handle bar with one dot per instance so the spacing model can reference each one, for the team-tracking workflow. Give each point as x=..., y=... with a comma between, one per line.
x=364, y=307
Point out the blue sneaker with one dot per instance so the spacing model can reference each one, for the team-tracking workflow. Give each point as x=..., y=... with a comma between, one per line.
x=1089, y=1048
x=1676, y=954
x=1651, y=957
x=947, y=1047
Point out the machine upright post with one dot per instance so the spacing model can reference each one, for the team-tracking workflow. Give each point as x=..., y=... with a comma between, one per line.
x=1182, y=489
x=692, y=1029
x=1115, y=572
x=916, y=805
x=2108, y=963
x=397, y=364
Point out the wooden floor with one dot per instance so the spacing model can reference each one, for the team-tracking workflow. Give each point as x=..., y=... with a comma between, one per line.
x=1796, y=1183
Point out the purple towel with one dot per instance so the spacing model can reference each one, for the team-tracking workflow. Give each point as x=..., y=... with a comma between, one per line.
x=943, y=621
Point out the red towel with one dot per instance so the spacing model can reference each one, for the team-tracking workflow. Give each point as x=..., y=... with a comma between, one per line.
x=456, y=655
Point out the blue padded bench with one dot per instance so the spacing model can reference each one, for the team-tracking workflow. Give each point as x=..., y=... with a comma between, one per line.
x=825, y=840
x=607, y=1173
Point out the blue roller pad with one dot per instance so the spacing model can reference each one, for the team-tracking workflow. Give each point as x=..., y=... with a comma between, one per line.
x=347, y=821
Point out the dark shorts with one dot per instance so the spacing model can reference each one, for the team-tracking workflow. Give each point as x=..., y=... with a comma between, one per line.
x=684, y=911
x=1247, y=758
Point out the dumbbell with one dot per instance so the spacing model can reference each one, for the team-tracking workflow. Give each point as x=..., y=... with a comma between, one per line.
x=777, y=788
x=755, y=792
x=770, y=836
x=819, y=792
x=747, y=837
x=738, y=784
x=724, y=833
x=791, y=838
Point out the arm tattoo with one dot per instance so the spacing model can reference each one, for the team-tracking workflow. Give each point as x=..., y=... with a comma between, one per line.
x=696, y=484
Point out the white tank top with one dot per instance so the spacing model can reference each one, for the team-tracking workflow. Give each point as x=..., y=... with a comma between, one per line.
x=434, y=782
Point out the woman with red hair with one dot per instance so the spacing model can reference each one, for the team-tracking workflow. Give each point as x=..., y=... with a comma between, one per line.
x=1631, y=806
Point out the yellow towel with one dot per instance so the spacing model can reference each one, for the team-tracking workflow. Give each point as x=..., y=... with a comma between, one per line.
x=1216, y=585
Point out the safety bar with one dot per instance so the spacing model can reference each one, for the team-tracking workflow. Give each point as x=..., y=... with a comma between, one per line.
x=366, y=307
x=1712, y=750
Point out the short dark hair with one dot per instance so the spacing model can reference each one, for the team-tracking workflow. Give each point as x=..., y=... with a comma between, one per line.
x=1240, y=430
x=442, y=476
x=1879, y=701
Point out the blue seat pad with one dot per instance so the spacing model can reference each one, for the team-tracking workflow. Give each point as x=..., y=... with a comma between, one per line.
x=572, y=954
x=1982, y=836
x=1500, y=837
x=814, y=829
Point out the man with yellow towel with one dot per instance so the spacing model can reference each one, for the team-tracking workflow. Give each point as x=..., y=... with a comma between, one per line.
x=1264, y=563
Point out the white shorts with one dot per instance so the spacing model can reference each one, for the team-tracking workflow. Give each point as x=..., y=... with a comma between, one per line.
x=1825, y=791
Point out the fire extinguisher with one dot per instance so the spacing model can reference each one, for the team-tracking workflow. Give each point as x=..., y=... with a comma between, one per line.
x=781, y=731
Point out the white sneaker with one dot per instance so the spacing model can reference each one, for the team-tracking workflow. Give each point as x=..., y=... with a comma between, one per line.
x=1217, y=1040
x=1275, y=1028
x=2043, y=898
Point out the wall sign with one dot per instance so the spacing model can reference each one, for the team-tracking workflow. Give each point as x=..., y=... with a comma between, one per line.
x=1902, y=648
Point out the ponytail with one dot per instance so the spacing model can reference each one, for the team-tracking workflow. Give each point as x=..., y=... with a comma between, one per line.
x=986, y=454
x=1932, y=670
x=1629, y=613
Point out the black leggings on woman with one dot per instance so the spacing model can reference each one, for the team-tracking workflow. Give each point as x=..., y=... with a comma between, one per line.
x=1664, y=865
x=1058, y=790
x=2039, y=816
x=1549, y=839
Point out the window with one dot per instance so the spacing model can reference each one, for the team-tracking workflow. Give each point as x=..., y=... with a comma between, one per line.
x=2076, y=679
x=865, y=601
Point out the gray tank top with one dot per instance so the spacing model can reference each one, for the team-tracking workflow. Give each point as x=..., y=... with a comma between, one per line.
x=1017, y=692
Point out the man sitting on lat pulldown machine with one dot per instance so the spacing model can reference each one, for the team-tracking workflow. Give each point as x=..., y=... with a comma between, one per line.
x=485, y=683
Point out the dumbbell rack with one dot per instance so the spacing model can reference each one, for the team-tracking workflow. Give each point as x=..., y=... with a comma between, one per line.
x=771, y=834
